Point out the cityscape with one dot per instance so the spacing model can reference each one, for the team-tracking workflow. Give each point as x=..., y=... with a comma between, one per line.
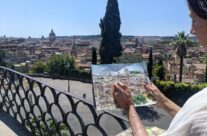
x=59, y=61
x=22, y=53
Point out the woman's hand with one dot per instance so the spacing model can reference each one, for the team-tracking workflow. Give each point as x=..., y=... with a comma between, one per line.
x=157, y=95
x=163, y=101
x=122, y=96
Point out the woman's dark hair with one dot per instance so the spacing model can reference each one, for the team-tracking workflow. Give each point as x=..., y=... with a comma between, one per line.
x=199, y=7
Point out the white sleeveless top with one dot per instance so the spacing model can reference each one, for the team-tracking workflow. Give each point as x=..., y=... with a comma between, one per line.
x=191, y=120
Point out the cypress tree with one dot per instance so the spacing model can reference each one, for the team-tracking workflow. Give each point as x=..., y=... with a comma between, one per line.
x=94, y=56
x=2, y=55
x=160, y=62
x=110, y=27
x=150, y=64
x=161, y=71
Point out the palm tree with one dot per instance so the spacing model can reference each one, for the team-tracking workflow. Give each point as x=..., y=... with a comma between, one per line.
x=181, y=42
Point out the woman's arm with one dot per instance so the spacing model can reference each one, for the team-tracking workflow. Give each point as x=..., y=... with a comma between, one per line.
x=163, y=101
x=122, y=96
x=170, y=107
x=138, y=128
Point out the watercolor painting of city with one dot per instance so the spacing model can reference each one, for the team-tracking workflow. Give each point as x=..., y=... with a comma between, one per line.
x=134, y=75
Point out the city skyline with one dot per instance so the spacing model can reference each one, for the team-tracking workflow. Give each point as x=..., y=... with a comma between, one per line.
x=76, y=17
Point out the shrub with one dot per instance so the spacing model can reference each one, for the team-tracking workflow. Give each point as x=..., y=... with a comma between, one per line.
x=81, y=74
x=42, y=127
x=128, y=58
x=60, y=65
x=178, y=92
x=38, y=67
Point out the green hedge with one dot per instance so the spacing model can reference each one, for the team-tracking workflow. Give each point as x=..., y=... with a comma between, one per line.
x=80, y=74
x=38, y=67
x=178, y=92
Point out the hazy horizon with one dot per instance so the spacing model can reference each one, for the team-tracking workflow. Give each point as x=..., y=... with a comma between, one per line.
x=87, y=36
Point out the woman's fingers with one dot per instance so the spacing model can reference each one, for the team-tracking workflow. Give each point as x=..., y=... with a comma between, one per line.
x=120, y=91
x=117, y=88
x=152, y=88
x=123, y=86
x=148, y=88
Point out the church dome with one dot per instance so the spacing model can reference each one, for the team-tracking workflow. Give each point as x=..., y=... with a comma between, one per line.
x=52, y=36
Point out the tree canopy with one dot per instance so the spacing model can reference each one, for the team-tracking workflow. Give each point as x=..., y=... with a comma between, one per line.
x=110, y=27
x=181, y=42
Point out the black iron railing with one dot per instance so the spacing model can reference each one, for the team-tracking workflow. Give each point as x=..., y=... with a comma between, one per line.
x=44, y=110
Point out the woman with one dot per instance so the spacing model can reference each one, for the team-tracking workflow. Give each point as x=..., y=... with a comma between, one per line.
x=191, y=119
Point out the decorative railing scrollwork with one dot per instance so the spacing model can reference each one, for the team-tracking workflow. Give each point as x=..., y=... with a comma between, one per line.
x=44, y=110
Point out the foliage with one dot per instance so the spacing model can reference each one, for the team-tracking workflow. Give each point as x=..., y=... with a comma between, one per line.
x=199, y=86
x=128, y=58
x=51, y=125
x=164, y=41
x=150, y=64
x=134, y=72
x=2, y=55
x=180, y=43
x=94, y=56
x=22, y=68
x=159, y=70
x=139, y=99
x=110, y=27
x=81, y=74
x=178, y=92
x=38, y=67
x=60, y=65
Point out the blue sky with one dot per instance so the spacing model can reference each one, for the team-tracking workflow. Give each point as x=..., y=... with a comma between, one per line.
x=23, y=18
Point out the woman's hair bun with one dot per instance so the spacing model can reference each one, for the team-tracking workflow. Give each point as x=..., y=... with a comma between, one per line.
x=199, y=7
